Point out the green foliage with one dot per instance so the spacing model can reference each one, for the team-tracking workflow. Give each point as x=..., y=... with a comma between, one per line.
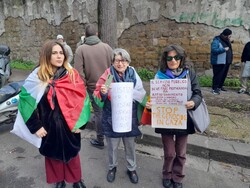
x=145, y=74
x=206, y=81
x=21, y=64
x=232, y=82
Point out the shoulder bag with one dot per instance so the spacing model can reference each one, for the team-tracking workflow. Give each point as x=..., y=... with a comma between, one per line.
x=200, y=115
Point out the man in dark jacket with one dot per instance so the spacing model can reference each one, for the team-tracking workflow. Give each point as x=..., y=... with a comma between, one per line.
x=221, y=59
x=245, y=69
x=91, y=60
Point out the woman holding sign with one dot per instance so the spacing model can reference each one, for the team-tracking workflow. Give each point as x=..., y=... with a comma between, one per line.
x=173, y=66
x=119, y=101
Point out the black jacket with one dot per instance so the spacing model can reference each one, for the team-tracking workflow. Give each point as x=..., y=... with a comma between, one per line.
x=246, y=53
x=196, y=97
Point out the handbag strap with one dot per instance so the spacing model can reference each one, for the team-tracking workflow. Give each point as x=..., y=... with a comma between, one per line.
x=189, y=87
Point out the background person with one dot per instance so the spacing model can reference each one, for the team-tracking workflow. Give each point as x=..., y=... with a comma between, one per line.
x=91, y=59
x=80, y=42
x=57, y=89
x=221, y=58
x=172, y=66
x=60, y=39
x=122, y=72
x=245, y=69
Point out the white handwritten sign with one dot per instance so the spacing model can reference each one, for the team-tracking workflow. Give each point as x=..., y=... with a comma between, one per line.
x=168, y=98
x=121, y=104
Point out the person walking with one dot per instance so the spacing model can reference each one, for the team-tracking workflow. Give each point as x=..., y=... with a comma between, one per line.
x=245, y=69
x=221, y=58
x=121, y=72
x=54, y=105
x=91, y=59
x=60, y=39
x=173, y=66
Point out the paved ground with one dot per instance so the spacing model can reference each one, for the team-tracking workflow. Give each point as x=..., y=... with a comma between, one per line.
x=21, y=166
x=209, y=148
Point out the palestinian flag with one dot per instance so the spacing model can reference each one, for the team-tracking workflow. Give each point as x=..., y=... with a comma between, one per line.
x=72, y=98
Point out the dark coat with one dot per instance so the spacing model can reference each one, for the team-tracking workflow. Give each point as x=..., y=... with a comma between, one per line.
x=218, y=47
x=245, y=56
x=59, y=143
x=107, y=122
x=196, y=97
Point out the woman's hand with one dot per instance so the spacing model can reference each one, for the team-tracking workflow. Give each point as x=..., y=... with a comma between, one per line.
x=104, y=89
x=190, y=105
x=77, y=131
x=41, y=132
x=148, y=105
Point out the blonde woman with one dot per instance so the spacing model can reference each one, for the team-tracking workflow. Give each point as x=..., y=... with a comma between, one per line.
x=54, y=105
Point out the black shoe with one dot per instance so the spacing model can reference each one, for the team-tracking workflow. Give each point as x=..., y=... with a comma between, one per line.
x=222, y=89
x=97, y=143
x=60, y=184
x=79, y=184
x=177, y=185
x=133, y=176
x=111, y=175
x=166, y=183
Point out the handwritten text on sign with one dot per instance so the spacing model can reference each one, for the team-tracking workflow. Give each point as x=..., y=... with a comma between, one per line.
x=168, y=91
x=121, y=104
x=168, y=98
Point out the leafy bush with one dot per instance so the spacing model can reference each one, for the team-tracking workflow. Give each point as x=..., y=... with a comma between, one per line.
x=145, y=74
x=206, y=81
x=21, y=64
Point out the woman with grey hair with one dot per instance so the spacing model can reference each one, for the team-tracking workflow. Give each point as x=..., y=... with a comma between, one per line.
x=121, y=71
x=173, y=66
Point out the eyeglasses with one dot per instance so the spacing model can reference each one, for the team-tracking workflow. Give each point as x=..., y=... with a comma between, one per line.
x=123, y=61
x=170, y=58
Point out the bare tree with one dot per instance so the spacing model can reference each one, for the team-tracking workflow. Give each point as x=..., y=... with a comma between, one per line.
x=107, y=22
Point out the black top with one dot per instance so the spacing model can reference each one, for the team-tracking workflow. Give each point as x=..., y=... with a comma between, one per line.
x=246, y=53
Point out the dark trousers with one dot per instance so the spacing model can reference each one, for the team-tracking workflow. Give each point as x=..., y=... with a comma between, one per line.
x=174, y=148
x=57, y=171
x=219, y=75
x=97, y=118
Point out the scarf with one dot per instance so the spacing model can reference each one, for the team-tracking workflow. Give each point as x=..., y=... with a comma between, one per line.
x=92, y=40
x=130, y=75
x=170, y=74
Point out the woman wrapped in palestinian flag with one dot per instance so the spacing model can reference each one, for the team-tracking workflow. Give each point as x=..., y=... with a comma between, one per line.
x=54, y=106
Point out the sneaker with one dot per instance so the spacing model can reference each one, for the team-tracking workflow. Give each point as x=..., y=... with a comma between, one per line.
x=216, y=92
x=241, y=91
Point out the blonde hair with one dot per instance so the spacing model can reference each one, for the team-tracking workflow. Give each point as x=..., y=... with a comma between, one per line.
x=45, y=72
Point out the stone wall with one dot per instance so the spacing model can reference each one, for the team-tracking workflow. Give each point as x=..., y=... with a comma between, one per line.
x=145, y=27
x=146, y=41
